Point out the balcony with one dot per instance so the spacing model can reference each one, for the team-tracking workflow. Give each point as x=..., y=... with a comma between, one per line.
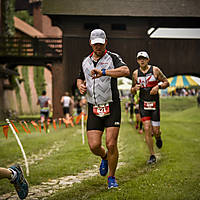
x=30, y=51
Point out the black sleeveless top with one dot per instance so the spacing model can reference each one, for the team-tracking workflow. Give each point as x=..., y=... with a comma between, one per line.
x=147, y=81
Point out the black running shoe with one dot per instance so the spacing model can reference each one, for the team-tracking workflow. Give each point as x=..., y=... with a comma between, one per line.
x=151, y=160
x=159, y=142
x=20, y=183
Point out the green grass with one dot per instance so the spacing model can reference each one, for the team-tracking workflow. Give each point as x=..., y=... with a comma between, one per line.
x=29, y=117
x=175, y=176
x=176, y=103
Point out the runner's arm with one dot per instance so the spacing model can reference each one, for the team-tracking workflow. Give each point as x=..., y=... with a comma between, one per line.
x=163, y=79
x=114, y=73
x=71, y=101
x=38, y=102
x=81, y=84
x=135, y=86
x=50, y=105
x=118, y=72
x=62, y=99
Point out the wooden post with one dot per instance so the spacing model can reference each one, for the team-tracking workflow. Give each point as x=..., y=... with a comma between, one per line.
x=58, y=89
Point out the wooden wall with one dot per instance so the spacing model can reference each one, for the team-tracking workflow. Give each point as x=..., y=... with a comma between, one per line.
x=173, y=56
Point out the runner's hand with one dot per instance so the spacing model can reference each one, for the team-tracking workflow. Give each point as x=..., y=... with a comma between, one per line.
x=135, y=88
x=96, y=73
x=154, y=90
x=83, y=88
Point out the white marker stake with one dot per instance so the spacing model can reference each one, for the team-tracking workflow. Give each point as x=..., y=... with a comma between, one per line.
x=82, y=126
x=20, y=145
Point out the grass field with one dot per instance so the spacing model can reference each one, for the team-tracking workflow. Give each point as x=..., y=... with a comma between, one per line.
x=176, y=176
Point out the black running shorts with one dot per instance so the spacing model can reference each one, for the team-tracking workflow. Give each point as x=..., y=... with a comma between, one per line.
x=153, y=115
x=45, y=114
x=65, y=110
x=137, y=111
x=99, y=123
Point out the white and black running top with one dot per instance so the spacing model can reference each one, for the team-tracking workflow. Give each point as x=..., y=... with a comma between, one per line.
x=147, y=81
x=104, y=89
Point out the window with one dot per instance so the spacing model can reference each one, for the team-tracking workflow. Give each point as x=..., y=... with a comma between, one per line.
x=118, y=27
x=91, y=26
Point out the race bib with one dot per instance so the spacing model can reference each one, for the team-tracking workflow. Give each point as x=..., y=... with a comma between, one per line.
x=101, y=110
x=149, y=105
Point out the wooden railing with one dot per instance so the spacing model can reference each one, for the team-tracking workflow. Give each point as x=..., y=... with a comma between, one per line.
x=30, y=47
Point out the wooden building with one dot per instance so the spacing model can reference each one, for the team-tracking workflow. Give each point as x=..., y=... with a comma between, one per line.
x=29, y=45
x=126, y=24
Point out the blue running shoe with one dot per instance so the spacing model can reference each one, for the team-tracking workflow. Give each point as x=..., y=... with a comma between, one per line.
x=20, y=183
x=103, y=167
x=112, y=182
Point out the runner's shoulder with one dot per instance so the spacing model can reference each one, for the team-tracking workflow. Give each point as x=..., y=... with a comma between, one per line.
x=155, y=68
x=135, y=73
x=85, y=59
x=116, y=59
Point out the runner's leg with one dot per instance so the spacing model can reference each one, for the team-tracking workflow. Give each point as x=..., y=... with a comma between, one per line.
x=42, y=119
x=148, y=136
x=5, y=173
x=156, y=131
x=137, y=120
x=46, y=121
x=157, y=134
x=95, y=144
x=111, y=144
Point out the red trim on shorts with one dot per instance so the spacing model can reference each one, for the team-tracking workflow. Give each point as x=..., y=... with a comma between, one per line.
x=146, y=118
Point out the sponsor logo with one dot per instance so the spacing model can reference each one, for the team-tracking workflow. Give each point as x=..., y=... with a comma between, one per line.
x=117, y=123
x=102, y=63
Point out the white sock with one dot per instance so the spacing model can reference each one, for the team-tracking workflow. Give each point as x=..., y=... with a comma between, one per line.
x=13, y=175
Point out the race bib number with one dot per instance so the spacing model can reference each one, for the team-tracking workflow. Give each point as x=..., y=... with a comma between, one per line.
x=101, y=110
x=149, y=105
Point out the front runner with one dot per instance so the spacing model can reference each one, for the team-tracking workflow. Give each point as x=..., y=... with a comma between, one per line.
x=146, y=79
x=98, y=77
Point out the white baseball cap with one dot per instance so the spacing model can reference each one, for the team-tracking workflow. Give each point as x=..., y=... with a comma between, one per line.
x=143, y=54
x=98, y=36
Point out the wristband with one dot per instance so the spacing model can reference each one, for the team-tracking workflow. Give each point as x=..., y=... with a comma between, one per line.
x=159, y=86
x=103, y=72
